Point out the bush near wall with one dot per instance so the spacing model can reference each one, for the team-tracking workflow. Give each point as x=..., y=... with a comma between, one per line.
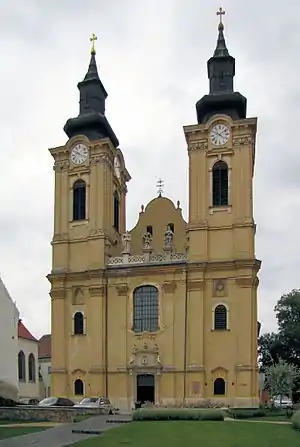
x=173, y=414
x=296, y=420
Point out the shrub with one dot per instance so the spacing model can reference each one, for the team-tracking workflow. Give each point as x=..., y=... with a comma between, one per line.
x=296, y=420
x=7, y=402
x=245, y=413
x=174, y=414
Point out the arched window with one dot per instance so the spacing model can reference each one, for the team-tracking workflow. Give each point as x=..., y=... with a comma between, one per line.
x=116, y=211
x=79, y=200
x=31, y=368
x=220, y=320
x=145, y=309
x=219, y=387
x=78, y=387
x=21, y=366
x=220, y=183
x=78, y=323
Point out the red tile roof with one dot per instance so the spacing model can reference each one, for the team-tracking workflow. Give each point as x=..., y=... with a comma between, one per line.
x=23, y=332
x=45, y=346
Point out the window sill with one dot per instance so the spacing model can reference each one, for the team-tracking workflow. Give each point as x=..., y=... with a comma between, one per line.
x=220, y=330
x=221, y=208
x=78, y=335
x=78, y=223
x=138, y=334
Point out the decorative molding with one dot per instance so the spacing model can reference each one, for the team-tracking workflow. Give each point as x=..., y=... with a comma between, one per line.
x=59, y=237
x=78, y=370
x=219, y=287
x=122, y=289
x=242, y=141
x=198, y=146
x=195, y=367
x=97, y=290
x=61, y=165
x=77, y=296
x=96, y=370
x=245, y=368
x=169, y=286
x=102, y=159
x=58, y=371
x=247, y=281
x=96, y=232
x=58, y=294
x=196, y=285
x=155, y=258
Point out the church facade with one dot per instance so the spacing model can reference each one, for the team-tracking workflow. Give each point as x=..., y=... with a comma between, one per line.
x=166, y=312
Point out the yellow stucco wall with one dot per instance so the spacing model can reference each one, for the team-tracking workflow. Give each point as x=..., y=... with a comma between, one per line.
x=212, y=262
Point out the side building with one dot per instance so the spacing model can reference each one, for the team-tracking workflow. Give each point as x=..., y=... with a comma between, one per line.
x=9, y=317
x=27, y=363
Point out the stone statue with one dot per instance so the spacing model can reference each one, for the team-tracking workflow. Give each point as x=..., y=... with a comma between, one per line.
x=131, y=361
x=158, y=362
x=169, y=238
x=147, y=241
x=126, y=239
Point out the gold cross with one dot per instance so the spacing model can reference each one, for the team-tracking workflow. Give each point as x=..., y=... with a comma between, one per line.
x=92, y=39
x=220, y=13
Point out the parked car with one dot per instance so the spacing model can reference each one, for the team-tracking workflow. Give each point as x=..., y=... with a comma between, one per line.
x=28, y=401
x=96, y=402
x=56, y=402
x=285, y=402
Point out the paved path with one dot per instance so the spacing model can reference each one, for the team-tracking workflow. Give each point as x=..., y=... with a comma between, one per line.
x=62, y=436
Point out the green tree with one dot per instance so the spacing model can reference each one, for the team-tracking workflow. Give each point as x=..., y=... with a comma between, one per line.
x=288, y=318
x=281, y=377
x=270, y=350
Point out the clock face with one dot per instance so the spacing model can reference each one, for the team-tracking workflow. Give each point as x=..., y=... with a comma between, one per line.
x=79, y=154
x=117, y=167
x=219, y=134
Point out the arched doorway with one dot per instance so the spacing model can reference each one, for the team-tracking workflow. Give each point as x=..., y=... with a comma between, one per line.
x=145, y=388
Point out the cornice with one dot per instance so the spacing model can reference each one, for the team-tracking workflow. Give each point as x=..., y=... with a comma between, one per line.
x=122, y=289
x=247, y=281
x=196, y=285
x=58, y=294
x=169, y=286
x=97, y=291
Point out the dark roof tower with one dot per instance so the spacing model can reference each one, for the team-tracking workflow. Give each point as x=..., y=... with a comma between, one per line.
x=221, y=98
x=91, y=120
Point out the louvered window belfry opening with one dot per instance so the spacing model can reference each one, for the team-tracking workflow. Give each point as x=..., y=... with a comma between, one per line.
x=116, y=212
x=79, y=200
x=145, y=309
x=220, y=184
x=78, y=324
x=220, y=318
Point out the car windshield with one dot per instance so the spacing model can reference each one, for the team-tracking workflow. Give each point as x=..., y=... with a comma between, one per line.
x=88, y=400
x=48, y=401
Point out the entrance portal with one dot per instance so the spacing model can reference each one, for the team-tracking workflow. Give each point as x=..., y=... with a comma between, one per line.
x=145, y=388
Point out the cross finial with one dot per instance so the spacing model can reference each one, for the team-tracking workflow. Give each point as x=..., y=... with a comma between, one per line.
x=160, y=186
x=220, y=13
x=92, y=39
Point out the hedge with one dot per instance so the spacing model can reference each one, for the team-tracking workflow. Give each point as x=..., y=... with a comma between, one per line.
x=244, y=413
x=296, y=420
x=173, y=414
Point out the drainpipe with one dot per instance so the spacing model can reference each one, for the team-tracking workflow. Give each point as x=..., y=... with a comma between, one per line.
x=106, y=340
x=185, y=334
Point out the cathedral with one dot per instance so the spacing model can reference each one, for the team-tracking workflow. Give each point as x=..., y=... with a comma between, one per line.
x=166, y=312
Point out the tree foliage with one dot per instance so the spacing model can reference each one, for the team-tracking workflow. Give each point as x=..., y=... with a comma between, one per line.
x=284, y=345
x=281, y=377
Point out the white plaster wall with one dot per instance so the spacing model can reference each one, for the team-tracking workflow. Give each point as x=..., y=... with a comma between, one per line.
x=29, y=389
x=45, y=370
x=9, y=317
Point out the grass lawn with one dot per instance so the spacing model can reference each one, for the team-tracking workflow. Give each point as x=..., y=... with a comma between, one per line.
x=9, y=432
x=195, y=434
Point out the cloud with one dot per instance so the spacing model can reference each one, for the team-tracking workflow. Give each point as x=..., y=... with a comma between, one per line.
x=152, y=59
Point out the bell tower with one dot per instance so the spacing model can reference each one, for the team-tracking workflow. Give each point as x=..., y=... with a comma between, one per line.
x=89, y=219
x=90, y=183
x=221, y=234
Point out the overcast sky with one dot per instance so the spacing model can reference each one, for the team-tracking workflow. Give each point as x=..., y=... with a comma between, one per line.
x=152, y=58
